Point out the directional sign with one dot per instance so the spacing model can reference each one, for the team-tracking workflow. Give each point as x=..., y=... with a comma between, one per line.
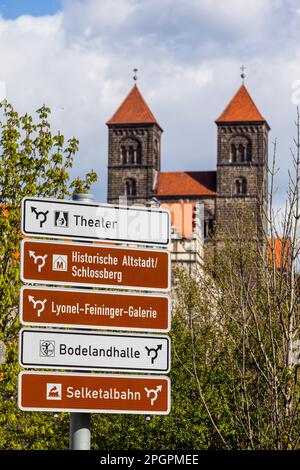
x=92, y=221
x=44, y=306
x=64, y=349
x=45, y=262
x=44, y=391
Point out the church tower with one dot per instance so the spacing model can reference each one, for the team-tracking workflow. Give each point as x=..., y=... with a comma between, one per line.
x=134, y=151
x=242, y=164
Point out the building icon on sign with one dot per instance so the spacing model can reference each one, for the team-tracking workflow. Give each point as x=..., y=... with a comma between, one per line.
x=59, y=263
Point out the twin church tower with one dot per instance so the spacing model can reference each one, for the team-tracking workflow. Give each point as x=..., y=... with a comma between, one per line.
x=240, y=180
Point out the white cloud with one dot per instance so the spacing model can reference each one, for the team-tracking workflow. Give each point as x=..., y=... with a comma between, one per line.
x=188, y=53
x=243, y=15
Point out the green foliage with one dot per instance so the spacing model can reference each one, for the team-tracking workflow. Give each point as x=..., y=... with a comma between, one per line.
x=33, y=162
x=234, y=383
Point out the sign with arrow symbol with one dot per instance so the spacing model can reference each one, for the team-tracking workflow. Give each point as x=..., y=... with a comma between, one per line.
x=41, y=216
x=73, y=349
x=94, y=221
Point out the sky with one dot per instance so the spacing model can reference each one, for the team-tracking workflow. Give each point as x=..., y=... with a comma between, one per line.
x=77, y=57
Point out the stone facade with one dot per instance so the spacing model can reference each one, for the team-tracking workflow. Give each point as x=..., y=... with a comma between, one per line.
x=238, y=186
x=242, y=174
x=133, y=162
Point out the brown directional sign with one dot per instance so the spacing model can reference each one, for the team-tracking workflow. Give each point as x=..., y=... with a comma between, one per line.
x=42, y=391
x=45, y=262
x=44, y=306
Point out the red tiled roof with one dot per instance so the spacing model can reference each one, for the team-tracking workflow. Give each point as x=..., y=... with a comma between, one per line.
x=186, y=183
x=241, y=109
x=182, y=215
x=133, y=110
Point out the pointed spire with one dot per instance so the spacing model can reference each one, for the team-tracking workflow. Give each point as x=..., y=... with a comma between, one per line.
x=241, y=109
x=133, y=110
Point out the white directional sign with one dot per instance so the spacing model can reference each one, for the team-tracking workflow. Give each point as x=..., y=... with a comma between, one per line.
x=92, y=221
x=63, y=349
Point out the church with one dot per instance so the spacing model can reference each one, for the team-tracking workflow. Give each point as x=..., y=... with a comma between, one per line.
x=198, y=200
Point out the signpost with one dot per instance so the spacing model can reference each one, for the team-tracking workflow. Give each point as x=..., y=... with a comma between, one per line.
x=44, y=306
x=92, y=221
x=62, y=263
x=65, y=349
x=94, y=265
x=44, y=391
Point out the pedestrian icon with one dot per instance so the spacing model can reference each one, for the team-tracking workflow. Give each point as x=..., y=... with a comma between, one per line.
x=61, y=219
x=47, y=348
x=53, y=391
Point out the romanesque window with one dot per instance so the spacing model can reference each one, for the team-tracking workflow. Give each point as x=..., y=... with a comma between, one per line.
x=240, y=149
x=240, y=186
x=241, y=153
x=233, y=152
x=130, y=187
x=123, y=155
x=249, y=152
x=130, y=152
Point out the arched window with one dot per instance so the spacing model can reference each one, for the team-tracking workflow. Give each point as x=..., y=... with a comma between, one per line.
x=130, y=187
x=138, y=155
x=233, y=152
x=240, y=149
x=123, y=154
x=241, y=153
x=240, y=186
x=237, y=187
x=249, y=152
x=130, y=152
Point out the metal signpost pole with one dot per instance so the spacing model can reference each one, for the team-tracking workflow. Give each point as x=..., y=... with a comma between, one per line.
x=80, y=423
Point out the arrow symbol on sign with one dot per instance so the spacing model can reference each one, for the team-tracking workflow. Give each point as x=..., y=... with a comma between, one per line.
x=154, y=392
x=36, y=303
x=40, y=215
x=39, y=260
x=153, y=352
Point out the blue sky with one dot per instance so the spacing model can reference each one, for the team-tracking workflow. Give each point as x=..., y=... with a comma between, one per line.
x=11, y=9
x=77, y=56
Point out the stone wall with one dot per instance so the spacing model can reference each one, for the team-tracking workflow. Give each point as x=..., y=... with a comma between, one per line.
x=143, y=172
x=232, y=169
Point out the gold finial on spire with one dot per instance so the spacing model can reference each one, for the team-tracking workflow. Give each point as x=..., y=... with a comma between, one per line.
x=243, y=75
x=135, y=77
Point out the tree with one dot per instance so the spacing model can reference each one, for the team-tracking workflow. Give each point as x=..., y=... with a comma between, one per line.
x=235, y=341
x=247, y=373
x=33, y=162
